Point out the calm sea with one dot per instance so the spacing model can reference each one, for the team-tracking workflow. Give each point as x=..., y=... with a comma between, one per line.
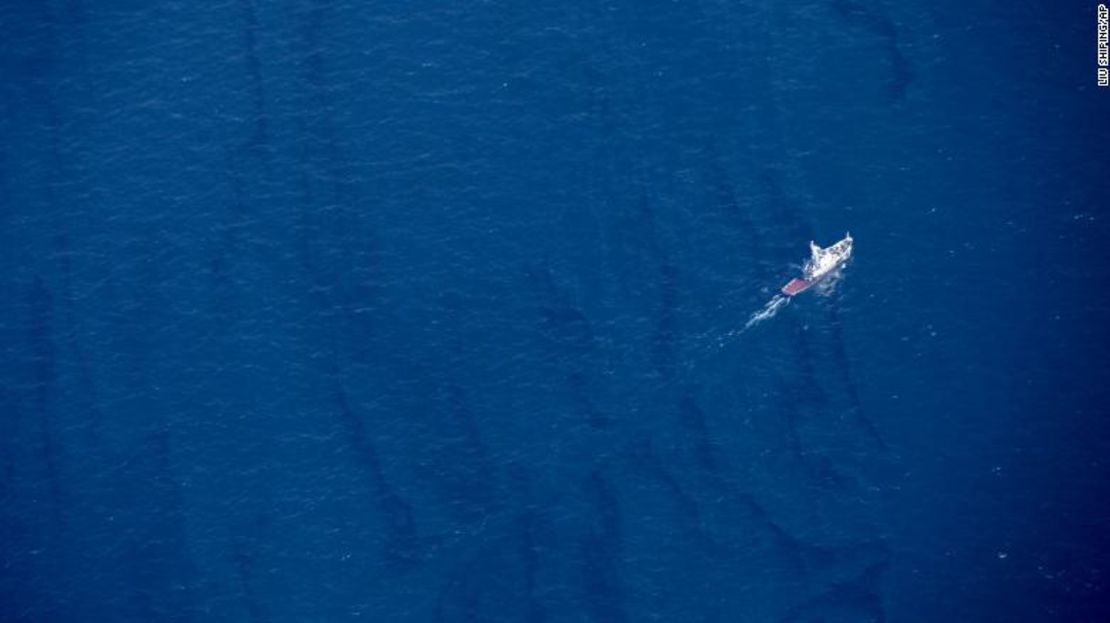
x=433, y=311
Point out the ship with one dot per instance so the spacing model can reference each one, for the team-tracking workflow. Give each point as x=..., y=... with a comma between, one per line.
x=821, y=264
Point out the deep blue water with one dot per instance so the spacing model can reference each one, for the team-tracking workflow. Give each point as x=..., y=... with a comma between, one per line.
x=428, y=311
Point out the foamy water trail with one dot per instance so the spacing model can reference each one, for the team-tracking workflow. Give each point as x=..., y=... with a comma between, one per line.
x=769, y=310
x=712, y=340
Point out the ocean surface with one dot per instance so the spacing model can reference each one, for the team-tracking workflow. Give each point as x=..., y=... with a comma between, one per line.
x=434, y=311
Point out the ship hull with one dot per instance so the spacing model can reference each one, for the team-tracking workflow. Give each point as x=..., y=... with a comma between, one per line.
x=821, y=264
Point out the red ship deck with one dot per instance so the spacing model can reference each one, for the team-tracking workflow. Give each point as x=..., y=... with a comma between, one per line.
x=795, y=286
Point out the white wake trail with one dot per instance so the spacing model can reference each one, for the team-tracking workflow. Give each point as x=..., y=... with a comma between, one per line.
x=769, y=310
